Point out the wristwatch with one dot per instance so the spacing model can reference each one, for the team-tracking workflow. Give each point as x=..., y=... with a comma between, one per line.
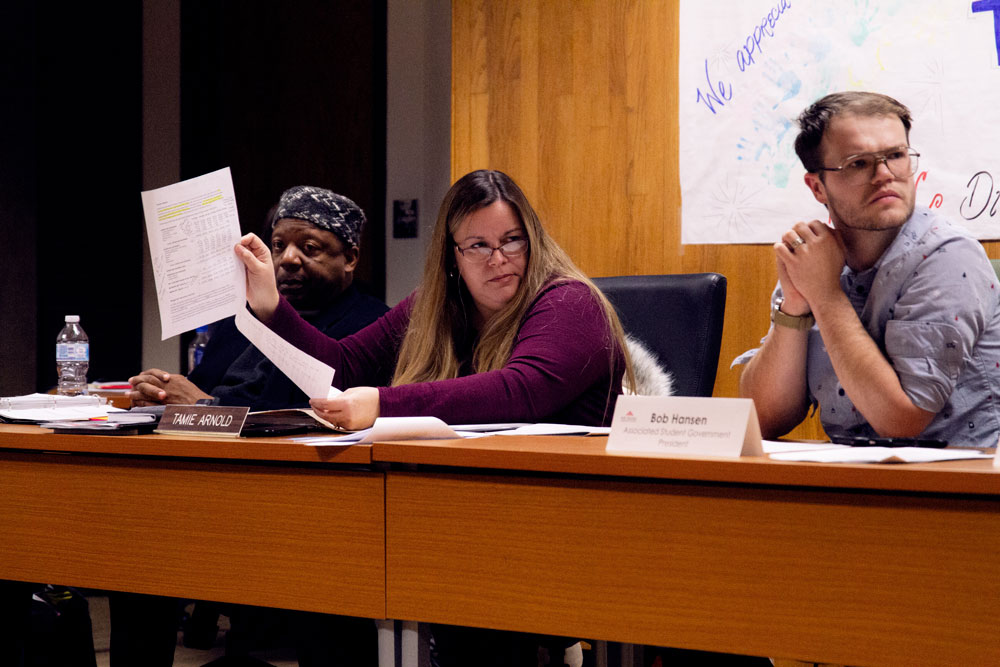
x=797, y=322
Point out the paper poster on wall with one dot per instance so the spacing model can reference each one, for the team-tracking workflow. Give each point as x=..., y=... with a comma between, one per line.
x=749, y=67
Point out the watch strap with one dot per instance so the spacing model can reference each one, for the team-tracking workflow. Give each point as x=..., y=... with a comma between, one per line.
x=799, y=323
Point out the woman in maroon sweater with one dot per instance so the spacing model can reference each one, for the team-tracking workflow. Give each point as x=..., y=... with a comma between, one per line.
x=503, y=327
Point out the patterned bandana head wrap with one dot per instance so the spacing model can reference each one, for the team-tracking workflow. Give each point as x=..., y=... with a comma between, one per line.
x=325, y=209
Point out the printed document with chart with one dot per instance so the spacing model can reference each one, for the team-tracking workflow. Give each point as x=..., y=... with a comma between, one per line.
x=192, y=227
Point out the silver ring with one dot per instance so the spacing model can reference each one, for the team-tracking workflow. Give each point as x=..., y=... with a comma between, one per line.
x=796, y=242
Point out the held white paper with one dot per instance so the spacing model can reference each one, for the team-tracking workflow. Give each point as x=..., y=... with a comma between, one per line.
x=685, y=426
x=192, y=227
x=309, y=374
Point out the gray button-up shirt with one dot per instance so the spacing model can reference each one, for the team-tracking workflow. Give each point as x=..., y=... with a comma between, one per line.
x=932, y=303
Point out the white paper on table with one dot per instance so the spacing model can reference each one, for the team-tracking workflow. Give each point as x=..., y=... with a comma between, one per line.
x=36, y=400
x=555, y=429
x=489, y=428
x=779, y=446
x=308, y=373
x=64, y=413
x=387, y=429
x=880, y=455
x=192, y=227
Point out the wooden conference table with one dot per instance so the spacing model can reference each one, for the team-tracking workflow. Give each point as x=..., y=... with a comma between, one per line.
x=264, y=522
x=863, y=565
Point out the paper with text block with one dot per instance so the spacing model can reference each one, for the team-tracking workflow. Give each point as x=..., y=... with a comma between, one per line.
x=308, y=373
x=685, y=426
x=192, y=227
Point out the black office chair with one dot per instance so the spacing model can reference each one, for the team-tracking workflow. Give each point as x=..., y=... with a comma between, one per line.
x=679, y=318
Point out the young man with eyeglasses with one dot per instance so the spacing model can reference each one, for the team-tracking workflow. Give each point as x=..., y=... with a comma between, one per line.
x=889, y=320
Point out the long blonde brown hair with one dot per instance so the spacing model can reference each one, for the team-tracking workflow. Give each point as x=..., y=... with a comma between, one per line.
x=440, y=313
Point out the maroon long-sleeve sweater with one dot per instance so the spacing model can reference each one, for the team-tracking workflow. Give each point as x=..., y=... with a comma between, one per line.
x=560, y=370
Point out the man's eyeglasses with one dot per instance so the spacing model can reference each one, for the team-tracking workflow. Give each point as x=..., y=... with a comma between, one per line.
x=481, y=252
x=901, y=162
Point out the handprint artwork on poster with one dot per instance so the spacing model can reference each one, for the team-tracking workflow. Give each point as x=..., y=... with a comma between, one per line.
x=748, y=69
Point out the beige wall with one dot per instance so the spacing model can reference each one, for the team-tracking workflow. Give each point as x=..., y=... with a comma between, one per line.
x=418, y=94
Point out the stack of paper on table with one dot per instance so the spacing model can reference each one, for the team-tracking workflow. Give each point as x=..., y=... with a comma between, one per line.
x=35, y=408
x=118, y=422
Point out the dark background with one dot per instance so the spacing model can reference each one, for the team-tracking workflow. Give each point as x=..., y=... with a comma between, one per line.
x=283, y=93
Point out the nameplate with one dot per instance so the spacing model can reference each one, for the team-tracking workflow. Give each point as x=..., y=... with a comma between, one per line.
x=202, y=420
x=685, y=426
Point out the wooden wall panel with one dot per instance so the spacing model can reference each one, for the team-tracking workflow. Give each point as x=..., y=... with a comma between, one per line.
x=577, y=101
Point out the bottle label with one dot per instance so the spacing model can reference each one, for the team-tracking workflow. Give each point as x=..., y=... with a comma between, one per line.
x=72, y=351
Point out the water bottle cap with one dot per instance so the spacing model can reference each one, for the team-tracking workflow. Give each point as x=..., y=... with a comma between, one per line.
x=72, y=319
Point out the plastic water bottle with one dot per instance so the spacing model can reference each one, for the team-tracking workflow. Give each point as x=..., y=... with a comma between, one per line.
x=196, y=348
x=72, y=358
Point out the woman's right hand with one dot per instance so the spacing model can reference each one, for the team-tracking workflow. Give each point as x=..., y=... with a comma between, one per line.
x=262, y=290
x=353, y=409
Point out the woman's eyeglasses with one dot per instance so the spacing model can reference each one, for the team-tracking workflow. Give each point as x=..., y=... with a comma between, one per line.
x=481, y=252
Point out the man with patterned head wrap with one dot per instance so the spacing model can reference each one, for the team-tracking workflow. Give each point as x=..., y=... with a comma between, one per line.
x=315, y=244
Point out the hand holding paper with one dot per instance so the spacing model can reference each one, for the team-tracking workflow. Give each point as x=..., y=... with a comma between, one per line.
x=354, y=409
x=261, y=289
